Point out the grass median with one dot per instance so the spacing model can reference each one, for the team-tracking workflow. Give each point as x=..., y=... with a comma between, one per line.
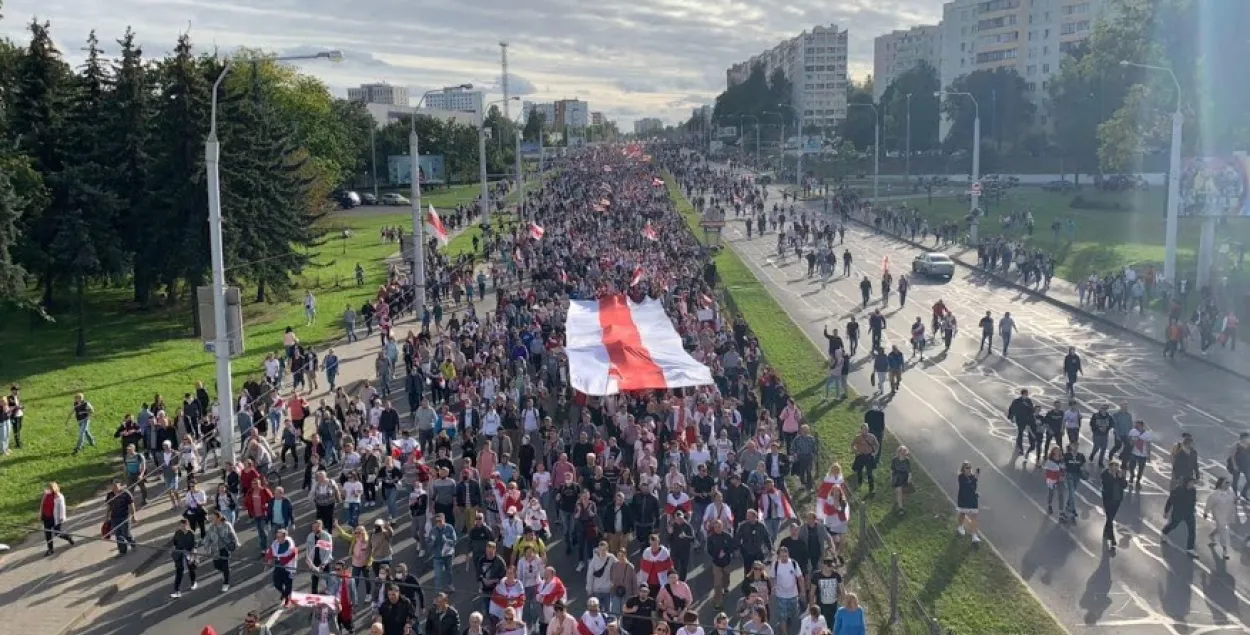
x=969, y=590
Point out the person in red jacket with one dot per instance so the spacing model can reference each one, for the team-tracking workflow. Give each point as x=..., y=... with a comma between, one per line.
x=256, y=502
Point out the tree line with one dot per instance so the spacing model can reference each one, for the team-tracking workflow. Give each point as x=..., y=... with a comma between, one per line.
x=1095, y=113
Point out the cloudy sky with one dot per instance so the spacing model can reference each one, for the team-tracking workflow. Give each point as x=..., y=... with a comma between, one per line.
x=628, y=58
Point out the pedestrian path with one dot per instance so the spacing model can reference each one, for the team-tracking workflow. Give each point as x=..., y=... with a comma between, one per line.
x=53, y=595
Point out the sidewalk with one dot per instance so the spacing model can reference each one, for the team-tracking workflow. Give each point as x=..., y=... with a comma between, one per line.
x=1062, y=293
x=53, y=596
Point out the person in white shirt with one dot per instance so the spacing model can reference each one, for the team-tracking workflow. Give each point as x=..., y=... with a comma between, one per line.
x=1139, y=439
x=813, y=623
x=511, y=529
x=1222, y=507
x=788, y=584
x=353, y=490
x=698, y=455
x=490, y=424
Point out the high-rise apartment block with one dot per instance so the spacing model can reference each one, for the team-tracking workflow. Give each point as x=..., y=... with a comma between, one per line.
x=457, y=98
x=379, y=94
x=897, y=52
x=648, y=125
x=815, y=63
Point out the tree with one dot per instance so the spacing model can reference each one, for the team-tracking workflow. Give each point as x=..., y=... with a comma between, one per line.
x=1002, y=100
x=858, y=125
x=534, y=122
x=12, y=276
x=85, y=243
x=921, y=82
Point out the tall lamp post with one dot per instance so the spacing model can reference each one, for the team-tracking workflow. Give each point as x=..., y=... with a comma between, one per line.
x=876, y=150
x=757, y=134
x=221, y=336
x=976, y=156
x=907, y=159
x=418, y=220
x=798, y=166
x=1174, y=193
x=481, y=156
x=782, y=146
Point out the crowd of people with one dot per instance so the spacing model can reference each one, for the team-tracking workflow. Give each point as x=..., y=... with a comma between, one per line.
x=497, y=463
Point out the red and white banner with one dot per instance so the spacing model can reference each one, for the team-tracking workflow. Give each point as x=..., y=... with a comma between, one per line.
x=639, y=273
x=435, y=225
x=615, y=345
x=649, y=233
x=658, y=182
x=308, y=600
x=776, y=504
x=536, y=231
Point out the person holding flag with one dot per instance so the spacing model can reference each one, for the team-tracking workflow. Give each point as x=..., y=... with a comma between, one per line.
x=536, y=231
x=551, y=591
x=435, y=224
x=283, y=555
x=509, y=593
x=656, y=562
x=649, y=233
x=678, y=500
x=775, y=507
x=592, y=622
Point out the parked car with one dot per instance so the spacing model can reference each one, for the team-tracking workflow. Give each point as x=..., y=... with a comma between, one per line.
x=933, y=264
x=392, y=198
x=368, y=199
x=347, y=199
x=1122, y=182
x=1059, y=186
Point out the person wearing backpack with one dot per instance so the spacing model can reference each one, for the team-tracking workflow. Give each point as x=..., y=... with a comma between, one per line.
x=788, y=587
x=219, y=543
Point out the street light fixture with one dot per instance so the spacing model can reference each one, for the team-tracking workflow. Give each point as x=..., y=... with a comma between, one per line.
x=907, y=159
x=976, y=156
x=221, y=336
x=1174, y=187
x=876, y=150
x=481, y=156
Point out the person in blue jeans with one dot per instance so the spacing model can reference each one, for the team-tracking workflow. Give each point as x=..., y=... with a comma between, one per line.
x=1073, y=473
x=82, y=414
x=121, y=514
x=836, y=382
x=442, y=547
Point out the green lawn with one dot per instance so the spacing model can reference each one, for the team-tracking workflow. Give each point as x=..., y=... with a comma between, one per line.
x=134, y=355
x=968, y=590
x=1105, y=239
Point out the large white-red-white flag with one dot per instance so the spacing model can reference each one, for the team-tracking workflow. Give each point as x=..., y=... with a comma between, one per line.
x=615, y=345
x=310, y=600
x=657, y=181
x=536, y=231
x=649, y=233
x=435, y=225
x=775, y=504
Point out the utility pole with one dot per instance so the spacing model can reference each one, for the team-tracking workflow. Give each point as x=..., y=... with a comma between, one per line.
x=907, y=160
x=503, y=63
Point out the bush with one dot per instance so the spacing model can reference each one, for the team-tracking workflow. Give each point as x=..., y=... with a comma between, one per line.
x=1080, y=202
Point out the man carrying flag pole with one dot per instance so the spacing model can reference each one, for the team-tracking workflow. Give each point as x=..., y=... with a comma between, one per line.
x=436, y=227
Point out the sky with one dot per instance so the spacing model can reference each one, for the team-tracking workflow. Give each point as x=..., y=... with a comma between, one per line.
x=628, y=58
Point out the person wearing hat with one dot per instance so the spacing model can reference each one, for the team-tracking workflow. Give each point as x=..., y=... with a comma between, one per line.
x=511, y=529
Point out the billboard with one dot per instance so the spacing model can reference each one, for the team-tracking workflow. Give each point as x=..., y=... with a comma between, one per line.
x=1215, y=186
x=813, y=144
x=727, y=132
x=433, y=169
x=531, y=149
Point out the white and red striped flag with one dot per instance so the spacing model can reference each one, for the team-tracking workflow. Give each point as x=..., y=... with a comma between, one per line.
x=310, y=600
x=435, y=225
x=564, y=276
x=885, y=265
x=615, y=345
x=775, y=504
x=657, y=181
x=648, y=232
x=638, y=275
x=536, y=231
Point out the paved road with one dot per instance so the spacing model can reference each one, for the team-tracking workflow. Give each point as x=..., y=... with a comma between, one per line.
x=953, y=407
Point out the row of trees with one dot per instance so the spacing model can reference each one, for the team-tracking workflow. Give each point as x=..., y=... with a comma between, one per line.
x=1094, y=112
x=102, y=170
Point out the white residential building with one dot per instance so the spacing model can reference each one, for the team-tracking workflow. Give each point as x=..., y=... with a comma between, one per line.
x=547, y=110
x=572, y=113
x=457, y=99
x=815, y=63
x=897, y=52
x=379, y=94
x=648, y=125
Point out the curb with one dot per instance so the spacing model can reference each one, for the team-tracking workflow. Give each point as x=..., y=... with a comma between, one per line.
x=1088, y=315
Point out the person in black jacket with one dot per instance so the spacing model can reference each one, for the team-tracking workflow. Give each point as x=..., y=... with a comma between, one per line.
x=1180, y=508
x=1021, y=412
x=835, y=341
x=874, y=418
x=753, y=540
x=395, y=612
x=681, y=543
x=183, y=553
x=739, y=497
x=721, y=546
x=646, y=513
x=1113, y=485
x=618, y=522
x=1072, y=368
x=443, y=619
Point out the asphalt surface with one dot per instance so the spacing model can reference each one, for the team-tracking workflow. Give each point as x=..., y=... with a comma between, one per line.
x=952, y=408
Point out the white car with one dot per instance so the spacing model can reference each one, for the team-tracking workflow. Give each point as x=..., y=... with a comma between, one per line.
x=933, y=264
x=395, y=199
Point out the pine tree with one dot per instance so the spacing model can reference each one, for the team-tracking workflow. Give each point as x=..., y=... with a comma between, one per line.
x=12, y=276
x=178, y=188
x=130, y=137
x=270, y=219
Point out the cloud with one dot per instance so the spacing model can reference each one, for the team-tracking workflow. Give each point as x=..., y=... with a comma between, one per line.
x=628, y=58
x=517, y=85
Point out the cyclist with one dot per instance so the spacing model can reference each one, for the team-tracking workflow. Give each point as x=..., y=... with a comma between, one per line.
x=939, y=312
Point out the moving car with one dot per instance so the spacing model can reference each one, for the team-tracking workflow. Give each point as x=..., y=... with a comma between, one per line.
x=368, y=199
x=392, y=198
x=933, y=264
x=347, y=199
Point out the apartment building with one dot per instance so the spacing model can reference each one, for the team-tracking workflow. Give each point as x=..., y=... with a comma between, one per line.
x=1030, y=36
x=815, y=63
x=457, y=98
x=547, y=111
x=648, y=125
x=379, y=94
x=597, y=118
x=572, y=113
x=899, y=51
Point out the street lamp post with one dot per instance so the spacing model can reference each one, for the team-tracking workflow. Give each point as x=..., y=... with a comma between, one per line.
x=1174, y=194
x=798, y=167
x=757, y=135
x=221, y=336
x=418, y=221
x=976, y=159
x=520, y=177
x=876, y=151
x=481, y=157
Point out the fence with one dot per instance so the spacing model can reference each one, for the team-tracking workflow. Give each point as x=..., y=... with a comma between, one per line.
x=873, y=569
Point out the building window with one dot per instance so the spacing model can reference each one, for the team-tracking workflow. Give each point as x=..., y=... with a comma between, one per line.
x=1046, y=34
x=996, y=56
x=1000, y=38
x=997, y=5
x=1032, y=70
x=1045, y=68
x=1045, y=51
x=1074, y=27
x=1074, y=9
